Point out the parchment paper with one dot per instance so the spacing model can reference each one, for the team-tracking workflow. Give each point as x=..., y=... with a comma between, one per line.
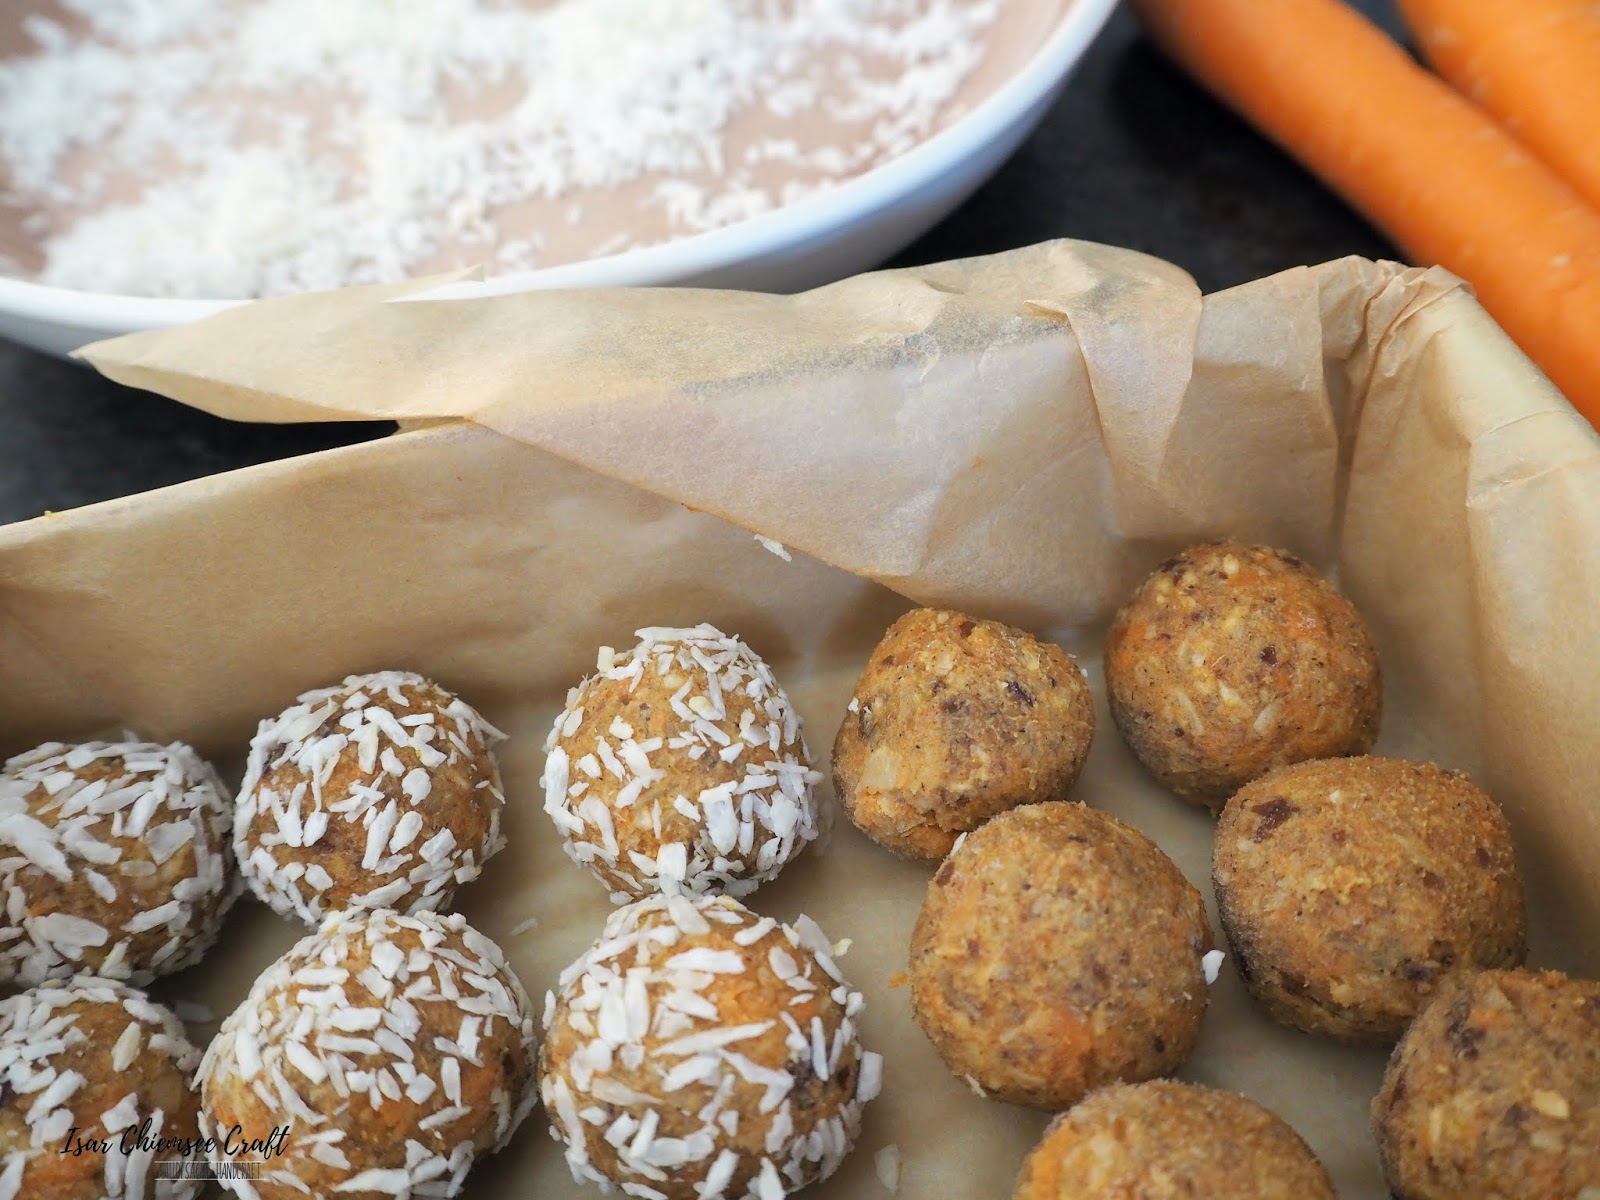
x=1022, y=436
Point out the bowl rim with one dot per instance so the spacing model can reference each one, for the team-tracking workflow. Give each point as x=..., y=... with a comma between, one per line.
x=793, y=224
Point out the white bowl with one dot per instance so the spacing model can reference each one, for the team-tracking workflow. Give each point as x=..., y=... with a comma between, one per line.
x=824, y=237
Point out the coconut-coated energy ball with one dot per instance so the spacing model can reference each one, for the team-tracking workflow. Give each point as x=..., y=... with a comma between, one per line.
x=1164, y=1140
x=680, y=767
x=85, y=1062
x=1495, y=1092
x=955, y=720
x=1231, y=660
x=395, y=1048
x=1349, y=887
x=382, y=792
x=114, y=859
x=1058, y=950
x=699, y=1050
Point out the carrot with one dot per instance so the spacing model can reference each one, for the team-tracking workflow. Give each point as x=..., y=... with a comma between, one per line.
x=1446, y=183
x=1534, y=64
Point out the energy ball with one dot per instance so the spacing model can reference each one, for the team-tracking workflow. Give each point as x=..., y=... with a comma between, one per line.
x=396, y=1048
x=382, y=792
x=680, y=768
x=1495, y=1092
x=84, y=1064
x=1165, y=1140
x=1350, y=887
x=114, y=859
x=1231, y=660
x=697, y=1050
x=955, y=720
x=1058, y=950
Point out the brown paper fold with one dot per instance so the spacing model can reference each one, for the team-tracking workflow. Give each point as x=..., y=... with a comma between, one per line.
x=1021, y=436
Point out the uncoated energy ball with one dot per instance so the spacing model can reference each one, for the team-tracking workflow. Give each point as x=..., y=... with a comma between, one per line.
x=1058, y=950
x=114, y=859
x=1164, y=1140
x=1495, y=1092
x=955, y=720
x=1230, y=660
x=680, y=767
x=1349, y=887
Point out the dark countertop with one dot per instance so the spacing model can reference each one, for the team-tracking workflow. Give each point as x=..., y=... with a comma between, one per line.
x=1132, y=155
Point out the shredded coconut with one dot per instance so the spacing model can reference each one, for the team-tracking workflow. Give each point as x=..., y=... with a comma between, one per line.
x=773, y=547
x=249, y=147
x=887, y=1164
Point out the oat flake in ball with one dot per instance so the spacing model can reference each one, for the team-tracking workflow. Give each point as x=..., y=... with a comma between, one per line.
x=382, y=792
x=1231, y=660
x=1495, y=1092
x=114, y=859
x=1058, y=950
x=955, y=720
x=1348, y=887
x=680, y=767
x=1165, y=1140
x=699, y=1051
x=91, y=1059
x=396, y=1048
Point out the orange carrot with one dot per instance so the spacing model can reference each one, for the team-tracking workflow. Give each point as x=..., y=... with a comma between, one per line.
x=1534, y=64
x=1422, y=163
